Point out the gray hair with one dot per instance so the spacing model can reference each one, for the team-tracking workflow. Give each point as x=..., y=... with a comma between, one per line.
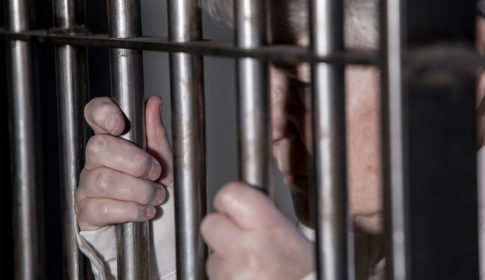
x=291, y=19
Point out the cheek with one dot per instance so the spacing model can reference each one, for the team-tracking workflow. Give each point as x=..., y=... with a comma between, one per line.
x=362, y=140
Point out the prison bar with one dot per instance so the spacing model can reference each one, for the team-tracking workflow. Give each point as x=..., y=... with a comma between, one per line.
x=133, y=241
x=72, y=94
x=455, y=94
x=24, y=157
x=394, y=143
x=188, y=134
x=329, y=143
x=252, y=97
x=276, y=53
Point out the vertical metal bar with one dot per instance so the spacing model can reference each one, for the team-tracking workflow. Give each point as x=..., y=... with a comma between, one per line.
x=24, y=154
x=329, y=143
x=188, y=124
x=253, y=96
x=393, y=142
x=71, y=94
x=127, y=90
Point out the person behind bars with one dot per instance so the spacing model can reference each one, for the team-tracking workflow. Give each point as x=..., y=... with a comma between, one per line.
x=250, y=237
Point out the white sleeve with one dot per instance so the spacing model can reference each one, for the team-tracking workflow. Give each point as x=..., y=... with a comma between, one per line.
x=100, y=248
x=311, y=276
x=100, y=245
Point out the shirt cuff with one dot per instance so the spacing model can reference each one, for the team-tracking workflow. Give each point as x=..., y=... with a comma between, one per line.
x=311, y=276
x=100, y=248
x=307, y=232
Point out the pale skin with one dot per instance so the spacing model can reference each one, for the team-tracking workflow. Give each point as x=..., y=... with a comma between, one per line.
x=249, y=236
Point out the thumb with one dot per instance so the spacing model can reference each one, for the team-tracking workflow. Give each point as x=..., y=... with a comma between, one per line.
x=248, y=207
x=157, y=141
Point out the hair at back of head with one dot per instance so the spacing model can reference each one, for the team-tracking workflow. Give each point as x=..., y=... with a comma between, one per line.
x=289, y=18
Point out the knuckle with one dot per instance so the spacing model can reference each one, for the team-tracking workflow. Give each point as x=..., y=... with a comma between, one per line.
x=83, y=176
x=141, y=164
x=103, y=210
x=102, y=180
x=95, y=144
x=80, y=209
x=251, y=261
x=77, y=199
x=92, y=144
x=77, y=210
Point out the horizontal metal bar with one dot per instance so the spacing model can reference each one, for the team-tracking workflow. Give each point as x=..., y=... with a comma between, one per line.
x=460, y=56
x=280, y=54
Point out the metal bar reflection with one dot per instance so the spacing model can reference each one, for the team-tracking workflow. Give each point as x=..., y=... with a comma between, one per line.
x=24, y=156
x=253, y=97
x=393, y=142
x=127, y=90
x=71, y=94
x=188, y=125
x=329, y=153
x=278, y=53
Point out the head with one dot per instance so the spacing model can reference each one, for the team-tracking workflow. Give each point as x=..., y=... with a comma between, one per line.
x=290, y=101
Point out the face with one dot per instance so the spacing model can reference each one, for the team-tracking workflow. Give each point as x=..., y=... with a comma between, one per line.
x=291, y=125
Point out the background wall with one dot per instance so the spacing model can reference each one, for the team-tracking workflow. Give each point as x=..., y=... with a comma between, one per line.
x=220, y=92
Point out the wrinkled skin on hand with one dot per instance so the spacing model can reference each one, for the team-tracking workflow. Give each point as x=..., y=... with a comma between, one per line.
x=121, y=182
x=252, y=239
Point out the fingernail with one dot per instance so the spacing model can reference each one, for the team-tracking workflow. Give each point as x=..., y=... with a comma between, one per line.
x=160, y=196
x=150, y=211
x=155, y=171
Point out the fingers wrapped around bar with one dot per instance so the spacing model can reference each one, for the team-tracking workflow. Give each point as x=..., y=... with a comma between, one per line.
x=121, y=182
x=251, y=239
